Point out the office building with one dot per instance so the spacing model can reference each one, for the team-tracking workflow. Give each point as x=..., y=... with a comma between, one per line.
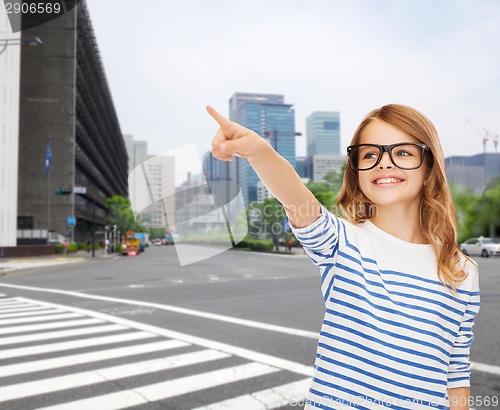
x=65, y=95
x=272, y=119
x=9, y=132
x=319, y=165
x=323, y=133
x=323, y=145
x=160, y=171
x=262, y=192
x=137, y=151
x=300, y=166
x=474, y=172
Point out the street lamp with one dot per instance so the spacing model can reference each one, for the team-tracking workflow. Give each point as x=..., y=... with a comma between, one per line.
x=32, y=41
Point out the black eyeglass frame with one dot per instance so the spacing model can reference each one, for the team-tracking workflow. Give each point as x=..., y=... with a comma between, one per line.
x=386, y=148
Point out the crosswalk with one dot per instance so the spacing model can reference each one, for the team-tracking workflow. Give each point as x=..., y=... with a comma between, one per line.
x=60, y=357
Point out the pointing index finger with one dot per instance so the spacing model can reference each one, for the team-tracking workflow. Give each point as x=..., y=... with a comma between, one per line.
x=221, y=120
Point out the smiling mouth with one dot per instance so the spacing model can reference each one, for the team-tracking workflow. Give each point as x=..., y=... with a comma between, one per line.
x=387, y=181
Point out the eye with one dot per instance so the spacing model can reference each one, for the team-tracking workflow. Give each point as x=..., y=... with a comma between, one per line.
x=370, y=155
x=403, y=153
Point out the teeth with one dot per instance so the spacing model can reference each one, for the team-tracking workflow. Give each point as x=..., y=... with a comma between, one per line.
x=387, y=181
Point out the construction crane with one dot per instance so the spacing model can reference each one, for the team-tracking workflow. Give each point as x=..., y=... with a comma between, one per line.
x=494, y=139
x=485, y=135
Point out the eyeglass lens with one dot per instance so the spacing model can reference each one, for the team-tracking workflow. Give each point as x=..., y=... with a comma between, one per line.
x=405, y=156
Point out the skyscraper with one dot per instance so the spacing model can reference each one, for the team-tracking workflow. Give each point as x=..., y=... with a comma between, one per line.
x=323, y=133
x=323, y=144
x=271, y=118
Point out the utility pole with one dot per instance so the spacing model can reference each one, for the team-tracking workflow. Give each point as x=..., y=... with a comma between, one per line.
x=48, y=162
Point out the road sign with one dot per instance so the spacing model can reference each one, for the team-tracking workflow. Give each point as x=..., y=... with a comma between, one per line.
x=71, y=221
x=80, y=190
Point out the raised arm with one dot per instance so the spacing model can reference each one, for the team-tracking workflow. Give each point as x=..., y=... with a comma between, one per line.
x=301, y=207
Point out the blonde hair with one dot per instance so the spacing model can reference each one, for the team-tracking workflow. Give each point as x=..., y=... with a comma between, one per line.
x=437, y=211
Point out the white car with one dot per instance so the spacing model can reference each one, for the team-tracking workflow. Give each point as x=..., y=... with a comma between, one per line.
x=481, y=246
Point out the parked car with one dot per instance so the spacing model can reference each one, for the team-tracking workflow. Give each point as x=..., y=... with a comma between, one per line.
x=481, y=246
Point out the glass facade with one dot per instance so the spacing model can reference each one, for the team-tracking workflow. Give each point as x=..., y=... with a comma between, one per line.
x=323, y=133
x=271, y=118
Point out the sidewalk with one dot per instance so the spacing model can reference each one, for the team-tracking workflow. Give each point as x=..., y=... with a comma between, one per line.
x=16, y=263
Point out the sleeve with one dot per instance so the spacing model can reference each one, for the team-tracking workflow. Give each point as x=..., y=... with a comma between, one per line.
x=459, y=367
x=320, y=242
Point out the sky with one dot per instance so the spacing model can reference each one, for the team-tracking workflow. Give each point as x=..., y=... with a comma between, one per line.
x=165, y=60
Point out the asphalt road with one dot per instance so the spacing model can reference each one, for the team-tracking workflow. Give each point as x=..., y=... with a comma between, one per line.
x=239, y=324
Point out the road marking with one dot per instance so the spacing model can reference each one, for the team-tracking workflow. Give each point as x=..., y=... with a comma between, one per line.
x=261, y=363
x=175, y=309
x=74, y=344
x=7, y=301
x=485, y=368
x=20, y=309
x=251, y=355
x=33, y=311
x=11, y=305
x=72, y=360
x=45, y=326
x=39, y=318
x=70, y=381
x=167, y=389
x=273, y=398
x=37, y=337
x=209, y=344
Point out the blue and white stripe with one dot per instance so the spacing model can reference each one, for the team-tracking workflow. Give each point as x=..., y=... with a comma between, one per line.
x=393, y=335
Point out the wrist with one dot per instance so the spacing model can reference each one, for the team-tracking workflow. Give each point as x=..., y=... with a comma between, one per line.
x=263, y=149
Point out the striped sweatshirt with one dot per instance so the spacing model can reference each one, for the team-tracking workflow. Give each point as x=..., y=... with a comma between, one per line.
x=393, y=335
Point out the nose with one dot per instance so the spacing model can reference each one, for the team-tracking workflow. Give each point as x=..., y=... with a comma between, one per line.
x=385, y=161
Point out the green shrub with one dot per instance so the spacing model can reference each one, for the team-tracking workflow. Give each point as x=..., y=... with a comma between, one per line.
x=59, y=248
x=265, y=245
x=256, y=244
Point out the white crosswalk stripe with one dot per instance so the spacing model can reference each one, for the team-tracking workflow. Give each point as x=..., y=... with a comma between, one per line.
x=26, y=373
x=26, y=312
x=62, y=333
x=76, y=344
x=291, y=393
x=55, y=325
x=72, y=360
x=55, y=316
x=171, y=388
x=53, y=384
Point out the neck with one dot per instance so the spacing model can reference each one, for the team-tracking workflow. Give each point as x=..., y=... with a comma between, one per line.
x=401, y=222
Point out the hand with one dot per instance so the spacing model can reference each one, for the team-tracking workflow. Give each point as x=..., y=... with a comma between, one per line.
x=233, y=139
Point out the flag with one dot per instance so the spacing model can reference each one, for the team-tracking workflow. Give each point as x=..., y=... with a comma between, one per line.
x=48, y=158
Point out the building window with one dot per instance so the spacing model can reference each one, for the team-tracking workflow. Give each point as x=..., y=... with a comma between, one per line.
x=331, y=125
x=24, y=222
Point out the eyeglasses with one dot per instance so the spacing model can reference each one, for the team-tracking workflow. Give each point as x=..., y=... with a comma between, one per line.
x=404, y=155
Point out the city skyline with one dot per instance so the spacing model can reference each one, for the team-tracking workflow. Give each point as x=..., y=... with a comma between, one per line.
x=340, y=56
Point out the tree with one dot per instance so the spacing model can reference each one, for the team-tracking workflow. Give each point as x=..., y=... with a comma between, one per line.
x=466, y=204
x=489, y=208
x=157, y=233
x=120, y=214
x=328, y=191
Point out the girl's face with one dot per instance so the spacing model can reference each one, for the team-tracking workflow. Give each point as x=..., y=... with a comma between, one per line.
x=386, y=184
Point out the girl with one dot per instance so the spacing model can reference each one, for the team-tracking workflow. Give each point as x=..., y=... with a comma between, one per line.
x=400, y=297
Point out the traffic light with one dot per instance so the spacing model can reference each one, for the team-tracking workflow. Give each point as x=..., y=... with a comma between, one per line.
x=63, y=191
